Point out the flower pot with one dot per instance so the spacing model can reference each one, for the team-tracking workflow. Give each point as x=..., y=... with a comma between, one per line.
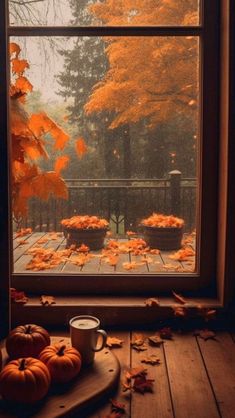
x=163, y=238
x=93, y=238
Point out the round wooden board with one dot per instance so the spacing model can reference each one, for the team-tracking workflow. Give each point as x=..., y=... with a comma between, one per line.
x=93, y=382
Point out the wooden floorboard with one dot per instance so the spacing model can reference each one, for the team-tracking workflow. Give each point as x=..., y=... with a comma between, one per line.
x=127, y=262
x=219, y=358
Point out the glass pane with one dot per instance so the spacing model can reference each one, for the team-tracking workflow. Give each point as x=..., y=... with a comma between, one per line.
x=106, y=12
x=108, y=128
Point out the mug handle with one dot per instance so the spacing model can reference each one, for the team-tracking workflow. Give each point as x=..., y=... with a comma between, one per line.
x=104, y=339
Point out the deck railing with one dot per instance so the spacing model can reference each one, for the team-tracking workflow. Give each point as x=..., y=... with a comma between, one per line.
x=124, y=202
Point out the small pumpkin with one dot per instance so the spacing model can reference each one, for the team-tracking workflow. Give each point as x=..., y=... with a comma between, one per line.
x=64, y=363
x=24, y=380
x=26, y=341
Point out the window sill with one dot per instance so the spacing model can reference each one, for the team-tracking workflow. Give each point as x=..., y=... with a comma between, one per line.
x=113, y=311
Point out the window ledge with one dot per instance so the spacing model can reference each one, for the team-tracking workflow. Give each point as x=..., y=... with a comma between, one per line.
x=113, y=311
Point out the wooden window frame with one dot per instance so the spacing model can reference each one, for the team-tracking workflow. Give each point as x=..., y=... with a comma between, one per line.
x=218, y=122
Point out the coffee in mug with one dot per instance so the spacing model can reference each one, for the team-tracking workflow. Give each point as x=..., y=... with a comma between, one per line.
x=84, y=332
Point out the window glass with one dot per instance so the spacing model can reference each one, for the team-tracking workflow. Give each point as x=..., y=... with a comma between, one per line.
x=108, y=128
x=105, y=12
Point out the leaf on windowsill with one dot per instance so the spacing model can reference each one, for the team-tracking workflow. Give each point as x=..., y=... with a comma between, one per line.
x=47, y=300
x=206, y=313
x=165, y=333
x=180, y=311
x=206, y=334
x=18, y=296
x=155, y=340
x=114, y=342
x=179, y=298
x=151, y=359
x=152, y=302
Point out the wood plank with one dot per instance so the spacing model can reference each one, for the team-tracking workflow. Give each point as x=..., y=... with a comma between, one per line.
x=219, y=357
x=190, y=387
x=156, y=404
x=16, y=240
x=20, y=250
x=123, y=355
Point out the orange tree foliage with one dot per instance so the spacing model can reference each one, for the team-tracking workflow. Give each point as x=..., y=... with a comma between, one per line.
x=150, y=78
x=28, y=144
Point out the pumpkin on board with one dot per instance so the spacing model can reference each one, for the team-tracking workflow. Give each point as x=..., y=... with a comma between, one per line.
x=25, y=380
x=64, y=363
x=27, y=341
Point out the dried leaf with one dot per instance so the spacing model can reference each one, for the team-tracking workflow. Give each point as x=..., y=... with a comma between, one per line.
x=23, y=231
x=151, y=359
x=206, y=334
x=152, y=302
x=114, y=342
x=47, y=300
x=81, y=148
x=61, y=163
x=179, y=298
x=142, y=385
x=83, y=249
x=180, y=311
x=135, y=371
x=117, y=406
x=18, y=296
x=138, y=339
x=165, y=333
x=155, y=340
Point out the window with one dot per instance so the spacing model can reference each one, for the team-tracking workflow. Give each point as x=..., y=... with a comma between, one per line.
x=202, y=35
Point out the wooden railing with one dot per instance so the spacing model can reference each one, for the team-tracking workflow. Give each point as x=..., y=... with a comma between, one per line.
x=124, y=202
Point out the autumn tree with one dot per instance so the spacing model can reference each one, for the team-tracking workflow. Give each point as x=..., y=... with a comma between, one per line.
x=29, y=134
x=151, y=78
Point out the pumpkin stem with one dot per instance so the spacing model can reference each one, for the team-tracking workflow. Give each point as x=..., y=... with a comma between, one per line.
x=60, y=352
x=22, y=365
x=28, y=329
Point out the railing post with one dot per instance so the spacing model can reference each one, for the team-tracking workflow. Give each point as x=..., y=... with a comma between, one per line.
x=175, y=186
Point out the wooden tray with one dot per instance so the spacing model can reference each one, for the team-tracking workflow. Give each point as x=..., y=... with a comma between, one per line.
x=93, y=382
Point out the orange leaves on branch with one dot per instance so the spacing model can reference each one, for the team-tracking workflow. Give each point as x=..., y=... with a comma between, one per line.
x=61, y=163
x=80, y=147
x=45, y=184
x=41, y=124
x=19, y=66
x=23, y=84
x=14, y=49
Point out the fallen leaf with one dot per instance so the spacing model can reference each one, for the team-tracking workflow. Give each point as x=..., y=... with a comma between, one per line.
x=47, y=300
x=179, y=311
x=165, y=333
x=205, y=334
x=23, y=231
x=152, y=359
x=138, y=342
x=135, y=371
x=142, y=385
x=18, y=296
x=179, y=298
x=83, y=249
x=22, y=241
x=155, y=340
x=117, y=406
x=114, y=342
x=206, y=313
x=152, y=302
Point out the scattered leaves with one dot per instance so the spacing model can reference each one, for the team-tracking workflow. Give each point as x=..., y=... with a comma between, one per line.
x=179, y=298
x=151, y=359
x=182, y=254
x=152, y=302
x=47, y=300
x=138, y=342
x=18, y=296
x=155, y=340
x=205, y=334
x=114, y=342
x=23, y=231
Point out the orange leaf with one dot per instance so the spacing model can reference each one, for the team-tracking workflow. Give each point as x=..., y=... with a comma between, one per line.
x=152, y=302
x=61, y=163
x=114, y=342
x=49, y=183
x=80, y=147
x=152, y=359
x=23, y=84
x=14, y=48
x=19, y=66
x=155, y=340
x=47, y=300
x=179, y=298
x=41, y=124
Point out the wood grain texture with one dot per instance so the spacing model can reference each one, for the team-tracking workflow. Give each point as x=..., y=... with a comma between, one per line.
x=156, y=404
x=190, y=387
x=219, y=358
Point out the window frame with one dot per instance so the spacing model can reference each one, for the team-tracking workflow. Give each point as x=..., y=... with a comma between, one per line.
x=215, y=188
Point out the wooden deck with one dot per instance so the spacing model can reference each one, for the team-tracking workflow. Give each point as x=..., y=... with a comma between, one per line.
x=195, y=378
x=126, y=262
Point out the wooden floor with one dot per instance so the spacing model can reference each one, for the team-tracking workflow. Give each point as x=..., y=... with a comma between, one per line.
x=195, y=378
x=126, y=262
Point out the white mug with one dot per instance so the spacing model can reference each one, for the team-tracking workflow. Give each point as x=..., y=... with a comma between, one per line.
x=84, y=332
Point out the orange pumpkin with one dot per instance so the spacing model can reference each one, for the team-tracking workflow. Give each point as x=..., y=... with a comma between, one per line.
x=25, y=380
x=64, y=363
x=26, y=341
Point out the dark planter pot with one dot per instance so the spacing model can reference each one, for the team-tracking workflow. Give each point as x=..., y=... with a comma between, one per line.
x=93, y=238
x=163, y=238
